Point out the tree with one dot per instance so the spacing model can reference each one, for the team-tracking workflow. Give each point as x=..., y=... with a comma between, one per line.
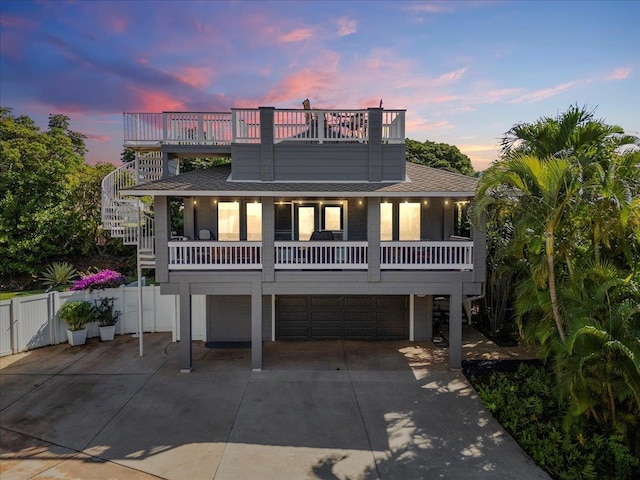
x=438, y=155
x=35, y=172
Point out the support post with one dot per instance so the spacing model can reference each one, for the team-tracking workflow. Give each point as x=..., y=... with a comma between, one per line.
x=186, y=361
x=256, y=326
x=455, y=327
x=140, y=309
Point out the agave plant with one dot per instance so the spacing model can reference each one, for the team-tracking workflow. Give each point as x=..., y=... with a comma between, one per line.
x=58, y=274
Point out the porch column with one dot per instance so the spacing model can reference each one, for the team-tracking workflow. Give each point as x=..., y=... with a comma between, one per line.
x=162, y=233
x=256, y=326
x=455, y=327
x=268, y=237
x=423, y=317
x=373, y=235
x=185, y=329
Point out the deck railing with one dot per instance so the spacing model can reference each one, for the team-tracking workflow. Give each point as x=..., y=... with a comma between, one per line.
x=329, y=255
x=242, y=125
x=457, y=255
x=215, y=255
x=321, y=255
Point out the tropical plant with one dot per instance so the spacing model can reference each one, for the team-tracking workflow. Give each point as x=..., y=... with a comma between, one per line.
x=105, y=314
x=77, y=314
x=58, y=274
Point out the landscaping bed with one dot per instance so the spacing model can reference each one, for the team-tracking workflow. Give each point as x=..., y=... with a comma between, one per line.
x=522, y=395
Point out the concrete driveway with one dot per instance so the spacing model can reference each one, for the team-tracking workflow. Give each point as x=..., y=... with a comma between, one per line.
x=323, y=410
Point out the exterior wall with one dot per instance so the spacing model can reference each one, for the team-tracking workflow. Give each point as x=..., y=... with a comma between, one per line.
x=229, y=318
x=357, y=220
x=321, y=162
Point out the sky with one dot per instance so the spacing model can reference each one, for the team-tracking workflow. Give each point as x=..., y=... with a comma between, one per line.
x=466, y=72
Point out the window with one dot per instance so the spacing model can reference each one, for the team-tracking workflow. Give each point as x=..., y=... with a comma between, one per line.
x=386, y=222
x=332, y=218
x=462, y=226
x=228, y=221
x=306, y=222
x=254, y=222
x=409, y=221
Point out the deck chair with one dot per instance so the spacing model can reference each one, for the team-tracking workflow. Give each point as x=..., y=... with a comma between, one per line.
x=205, y=234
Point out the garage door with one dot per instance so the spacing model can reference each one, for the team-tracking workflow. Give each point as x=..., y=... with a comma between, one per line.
x=334, y=317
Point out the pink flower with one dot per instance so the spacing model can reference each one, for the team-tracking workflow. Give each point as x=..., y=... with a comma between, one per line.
x=100, y=280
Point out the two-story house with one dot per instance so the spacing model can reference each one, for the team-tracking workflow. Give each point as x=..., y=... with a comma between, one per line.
x=317, y=229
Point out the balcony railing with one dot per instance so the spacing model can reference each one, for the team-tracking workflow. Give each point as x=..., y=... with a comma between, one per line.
x=204, y=255
x=456, y=255
x=321, y=255
x=243, y=126
x=215, y=255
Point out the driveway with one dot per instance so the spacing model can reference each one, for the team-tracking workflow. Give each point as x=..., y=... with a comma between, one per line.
x=319, y=410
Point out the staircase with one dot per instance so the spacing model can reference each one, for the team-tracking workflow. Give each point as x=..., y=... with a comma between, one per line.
x=131, y=218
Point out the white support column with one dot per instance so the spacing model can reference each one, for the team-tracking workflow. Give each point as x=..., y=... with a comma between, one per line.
x=455, y=327
x=411, y=317
x=256, y=326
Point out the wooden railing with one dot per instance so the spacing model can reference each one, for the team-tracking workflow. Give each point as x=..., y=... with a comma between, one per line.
x=321, y=255
x=289, y=255
x=242, y=125
x=457, y=255
x=215, y=255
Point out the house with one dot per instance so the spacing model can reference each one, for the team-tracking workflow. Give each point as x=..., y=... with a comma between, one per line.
x=317, y=229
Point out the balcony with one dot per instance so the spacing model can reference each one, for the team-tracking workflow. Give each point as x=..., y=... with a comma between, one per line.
x=243, y=126
x=290, y=255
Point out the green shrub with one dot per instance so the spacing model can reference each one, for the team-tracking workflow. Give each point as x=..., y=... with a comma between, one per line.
x=526, y=404
x=77, y=314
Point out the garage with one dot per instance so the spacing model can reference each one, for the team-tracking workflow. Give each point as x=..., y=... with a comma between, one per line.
x=342, y=317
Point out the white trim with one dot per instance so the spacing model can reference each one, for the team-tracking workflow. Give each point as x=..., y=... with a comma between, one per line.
x=273, y=318
x=411, y=317
x=288, y=193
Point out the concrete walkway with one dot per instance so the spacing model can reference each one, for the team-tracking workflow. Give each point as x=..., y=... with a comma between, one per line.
x=322, y=410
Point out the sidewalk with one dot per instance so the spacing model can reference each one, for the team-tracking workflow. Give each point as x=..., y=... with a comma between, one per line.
x=319, y=410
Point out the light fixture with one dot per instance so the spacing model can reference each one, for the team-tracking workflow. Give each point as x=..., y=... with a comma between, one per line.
x=446, y=202
x=194, y=202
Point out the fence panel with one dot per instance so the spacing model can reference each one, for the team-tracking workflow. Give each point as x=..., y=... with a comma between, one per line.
x=31, y=322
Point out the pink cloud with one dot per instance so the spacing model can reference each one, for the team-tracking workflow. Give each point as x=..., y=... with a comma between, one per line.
x=98, y=138
x=15, y=21
x=450, y=77
x=620, y=73
x=198, y=77
x=545, y=93
x=296, y=35
x=346, y=26
x=430, y=7
x=149, y=101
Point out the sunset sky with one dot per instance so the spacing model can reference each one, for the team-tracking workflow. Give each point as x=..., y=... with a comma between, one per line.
x=464, y=71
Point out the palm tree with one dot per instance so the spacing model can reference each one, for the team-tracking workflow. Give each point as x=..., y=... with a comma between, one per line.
x=536, y=193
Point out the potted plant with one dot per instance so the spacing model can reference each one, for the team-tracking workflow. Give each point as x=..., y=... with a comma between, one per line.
x=106, y=317
x=77, y=314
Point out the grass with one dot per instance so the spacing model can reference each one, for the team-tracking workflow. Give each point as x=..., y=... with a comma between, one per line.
x=10, y=295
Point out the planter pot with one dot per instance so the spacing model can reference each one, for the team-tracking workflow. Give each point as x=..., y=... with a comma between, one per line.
x=77, y=337
x=107, y=333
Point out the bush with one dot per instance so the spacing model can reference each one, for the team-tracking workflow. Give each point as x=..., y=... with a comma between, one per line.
x=526, y=405
x=77, y=314
x=99, y=280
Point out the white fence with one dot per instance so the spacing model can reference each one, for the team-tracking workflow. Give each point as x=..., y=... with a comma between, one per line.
x=31, y=322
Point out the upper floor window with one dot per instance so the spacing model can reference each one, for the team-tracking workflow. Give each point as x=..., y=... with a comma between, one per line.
x=228, y=221
x=409, y=224
x=254, y=222
x=386, y=222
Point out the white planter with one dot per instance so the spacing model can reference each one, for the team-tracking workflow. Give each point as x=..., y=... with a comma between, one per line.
x=107, y=333
x=77, y=337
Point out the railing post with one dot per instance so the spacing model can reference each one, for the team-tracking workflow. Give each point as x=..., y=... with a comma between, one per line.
x=266, y=143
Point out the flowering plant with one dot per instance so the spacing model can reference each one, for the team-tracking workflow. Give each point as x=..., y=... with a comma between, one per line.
x=105, y=314
x=102, y=279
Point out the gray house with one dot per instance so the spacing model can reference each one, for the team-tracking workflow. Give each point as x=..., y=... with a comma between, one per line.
x=317, y=229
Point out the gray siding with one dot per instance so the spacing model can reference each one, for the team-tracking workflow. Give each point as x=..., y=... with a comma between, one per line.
x=246, y=164
x=357, y=220
x=229, y=318
x=320, y=162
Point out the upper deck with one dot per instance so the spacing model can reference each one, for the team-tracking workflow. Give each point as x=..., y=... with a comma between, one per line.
x=246, y=126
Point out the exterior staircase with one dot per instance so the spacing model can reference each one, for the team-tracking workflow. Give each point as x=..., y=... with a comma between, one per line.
x=131, y=218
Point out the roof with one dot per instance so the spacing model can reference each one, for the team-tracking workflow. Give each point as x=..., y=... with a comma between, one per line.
x=216, y=181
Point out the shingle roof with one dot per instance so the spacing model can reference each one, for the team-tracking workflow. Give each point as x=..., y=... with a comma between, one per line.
x=426, y=181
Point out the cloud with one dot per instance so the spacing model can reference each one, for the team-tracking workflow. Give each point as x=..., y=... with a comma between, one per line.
x=198, y=77
x=620, y=73
x=543, y=94
x=449, y=77
x=430, y=7
x=346, y=26
x=155, y=101
x=296, y=35
x=97, y=138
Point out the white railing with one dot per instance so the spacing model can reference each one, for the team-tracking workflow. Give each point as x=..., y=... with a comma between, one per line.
x=426, y=255
x=143, y=128
x=199, y=255
x=242, y=125
x=121, y=178
x=246, y=125
x=393, y=126
x=197, y=128
x=321, y=125
x=321, y=255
